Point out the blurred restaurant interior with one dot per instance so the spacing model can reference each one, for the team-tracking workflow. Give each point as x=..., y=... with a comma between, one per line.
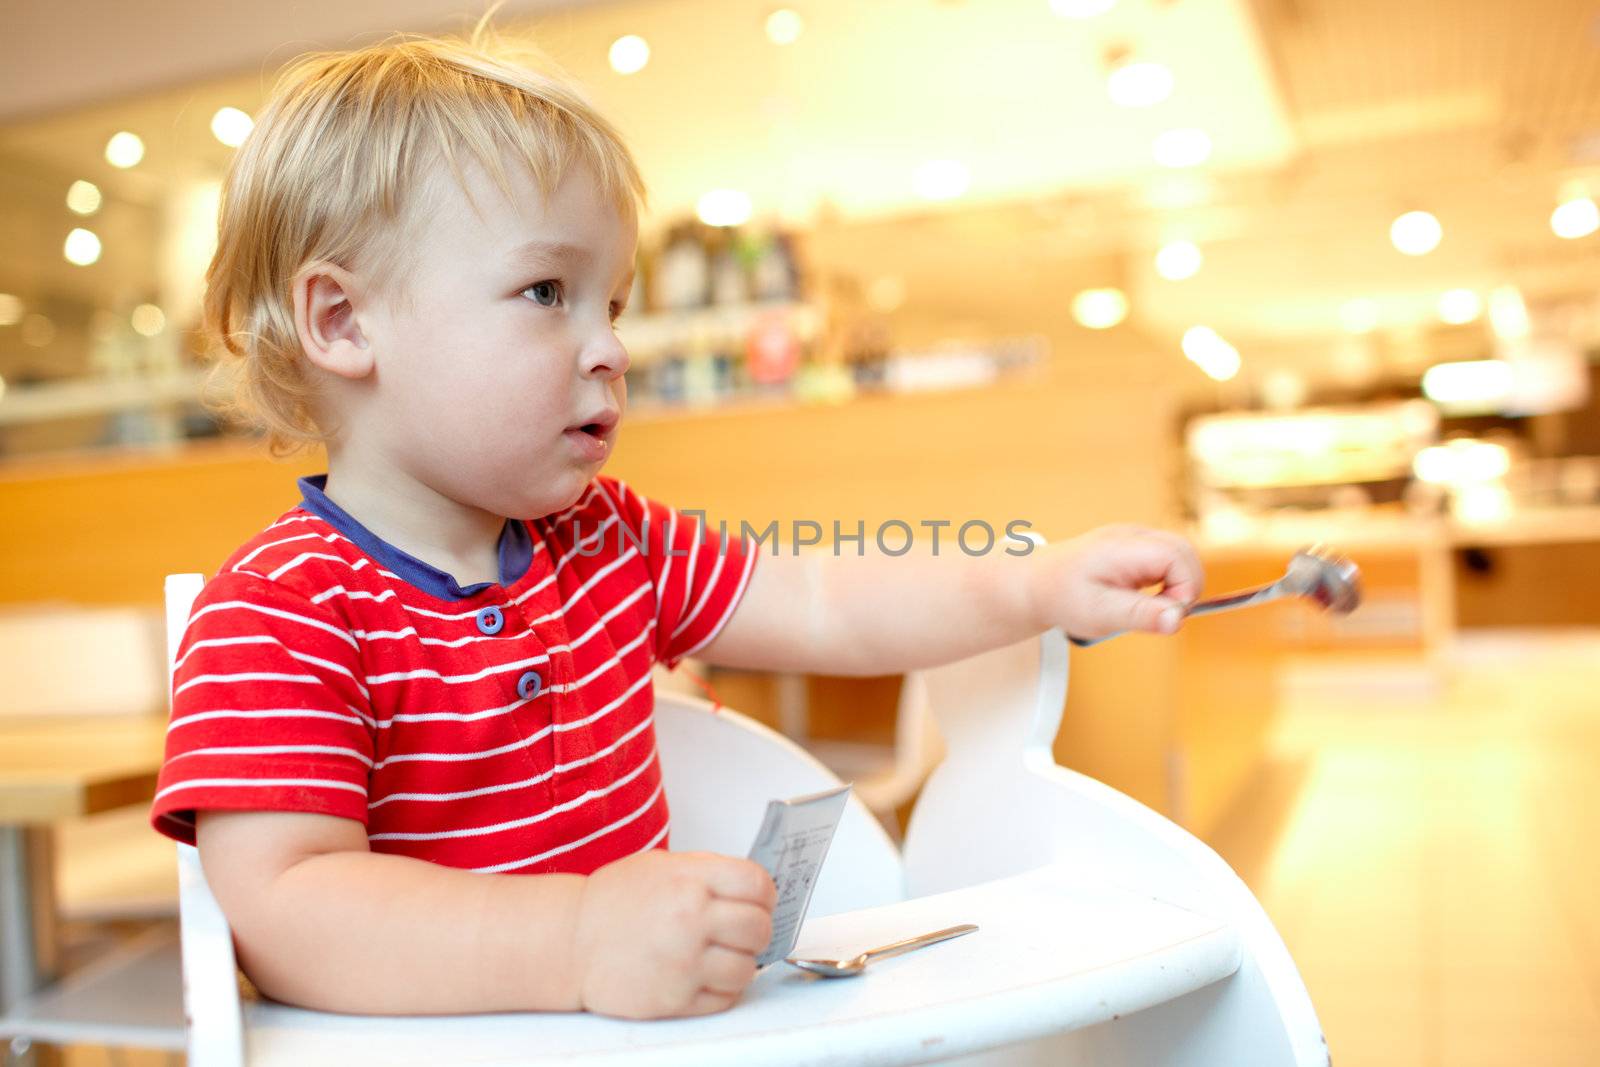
x=1269, y=272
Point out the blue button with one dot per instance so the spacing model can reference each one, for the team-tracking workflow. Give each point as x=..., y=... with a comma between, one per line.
x=529, y=684
x=491, y=621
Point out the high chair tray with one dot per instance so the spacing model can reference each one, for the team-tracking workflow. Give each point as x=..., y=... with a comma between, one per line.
x=1053, y=952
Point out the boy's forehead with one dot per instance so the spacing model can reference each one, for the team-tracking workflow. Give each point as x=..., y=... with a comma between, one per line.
x=574, y=222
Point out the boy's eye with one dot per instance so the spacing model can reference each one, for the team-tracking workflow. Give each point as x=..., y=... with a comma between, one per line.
x=545, y=294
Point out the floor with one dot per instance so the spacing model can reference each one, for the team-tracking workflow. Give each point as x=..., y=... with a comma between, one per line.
x=1427, y=850
x=1425, y=842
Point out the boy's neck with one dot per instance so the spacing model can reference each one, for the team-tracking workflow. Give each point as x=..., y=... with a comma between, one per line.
x=460, y=540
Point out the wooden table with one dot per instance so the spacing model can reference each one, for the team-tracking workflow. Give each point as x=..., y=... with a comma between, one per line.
x=52, y=769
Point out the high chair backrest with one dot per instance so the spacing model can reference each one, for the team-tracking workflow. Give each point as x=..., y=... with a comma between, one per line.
x=720, y=768
x=999, y=804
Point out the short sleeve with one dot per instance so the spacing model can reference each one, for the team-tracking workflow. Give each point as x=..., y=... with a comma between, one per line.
x=270, y=711
x=699, y=566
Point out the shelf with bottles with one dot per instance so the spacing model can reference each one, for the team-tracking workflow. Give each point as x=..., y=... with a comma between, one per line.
x=714, y=379
x=731, y=317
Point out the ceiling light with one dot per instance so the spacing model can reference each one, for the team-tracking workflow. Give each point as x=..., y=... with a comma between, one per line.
x=10, y=309
x=1100, y=309
x=629, y=54
x=784, y=26
x=124, y=150
x=941, y=179
x=148, y=320
x=83, y=197
x=1081, y=9
x=1186, y=147
x=1508, y=314
x=1462, y=461
x=1459, y=306
x=1178, y=260
x=1359, y=316
x=1139, y=84
x=1207, y=350
x=231, y=126
x=1472, y=383
x=82, y=247
x=1416, y=233
x=724, y=207
x=1575, y=218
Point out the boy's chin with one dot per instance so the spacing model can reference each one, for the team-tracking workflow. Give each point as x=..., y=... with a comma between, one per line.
x=547, y=499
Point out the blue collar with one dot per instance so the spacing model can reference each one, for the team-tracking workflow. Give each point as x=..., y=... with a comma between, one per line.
x=516, y=547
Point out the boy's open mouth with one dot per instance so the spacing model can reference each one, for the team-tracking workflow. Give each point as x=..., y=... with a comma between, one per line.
x=592, y=436
x=603, y=423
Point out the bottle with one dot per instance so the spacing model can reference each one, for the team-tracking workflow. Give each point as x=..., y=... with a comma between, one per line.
x=774, y=272
x=728, y=283
x=683, y=280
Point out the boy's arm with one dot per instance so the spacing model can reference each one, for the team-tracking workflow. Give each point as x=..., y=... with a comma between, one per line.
x=863, y=614
x=323, y=922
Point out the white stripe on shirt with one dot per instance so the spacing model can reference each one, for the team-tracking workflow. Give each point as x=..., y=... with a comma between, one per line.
x=248, y=676
x=304, y=556
x=570, y=845
x=524, y=783
x=328, y=537
x=277, y=613
x=274, y=713
x=525, y=742
x=529, y=820
x=727, y=613
x=705, y=594
x=206, y=783
x=453, y=679
x=272, y=750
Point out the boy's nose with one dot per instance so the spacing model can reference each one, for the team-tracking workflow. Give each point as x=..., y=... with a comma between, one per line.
x=605, y=357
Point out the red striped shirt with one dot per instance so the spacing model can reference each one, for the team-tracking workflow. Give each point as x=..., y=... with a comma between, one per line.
x=503, y=727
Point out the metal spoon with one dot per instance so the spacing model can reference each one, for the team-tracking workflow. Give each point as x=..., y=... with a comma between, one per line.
x=856, y=964
x=1332, y=582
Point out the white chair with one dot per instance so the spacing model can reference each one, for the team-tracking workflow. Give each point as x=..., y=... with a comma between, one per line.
x=1107, y=934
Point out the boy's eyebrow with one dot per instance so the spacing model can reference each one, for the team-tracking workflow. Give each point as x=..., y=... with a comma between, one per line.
x=559, y=251
x=551, y=251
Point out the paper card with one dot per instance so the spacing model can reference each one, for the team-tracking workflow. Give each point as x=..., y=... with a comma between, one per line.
x=791, y=845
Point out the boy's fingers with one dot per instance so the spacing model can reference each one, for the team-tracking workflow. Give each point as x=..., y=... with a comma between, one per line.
x=1137, y=611
x=739, y=926
x=1185, y=575
x=1159, y=557
x=726, y=971
x=707, y=1002
x=736, y=879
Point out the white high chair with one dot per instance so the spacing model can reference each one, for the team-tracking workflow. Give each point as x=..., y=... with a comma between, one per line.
x=1107, y=934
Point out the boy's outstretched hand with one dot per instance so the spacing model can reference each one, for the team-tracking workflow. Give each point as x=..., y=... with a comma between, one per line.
x=671, y=933
x=1096, y=584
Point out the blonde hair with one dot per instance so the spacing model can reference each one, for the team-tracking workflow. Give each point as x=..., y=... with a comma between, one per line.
x=336, y=157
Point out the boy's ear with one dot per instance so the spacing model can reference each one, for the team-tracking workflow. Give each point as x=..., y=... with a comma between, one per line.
x=325, y=319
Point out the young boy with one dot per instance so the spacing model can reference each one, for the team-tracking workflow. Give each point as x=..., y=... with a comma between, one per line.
x=411, y=729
